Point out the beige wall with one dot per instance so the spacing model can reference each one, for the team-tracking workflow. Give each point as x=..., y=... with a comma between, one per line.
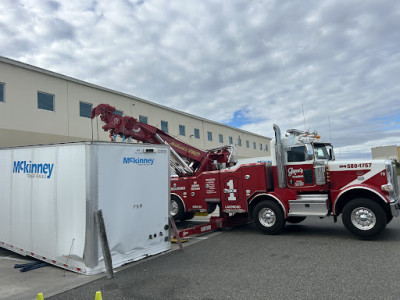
x=22, y=123
x=398, y=154
x=385, y=152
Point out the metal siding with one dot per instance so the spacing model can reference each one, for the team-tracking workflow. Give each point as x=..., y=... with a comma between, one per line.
x=51, y=218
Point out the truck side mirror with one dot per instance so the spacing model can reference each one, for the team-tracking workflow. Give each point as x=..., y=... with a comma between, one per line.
x=331, y=155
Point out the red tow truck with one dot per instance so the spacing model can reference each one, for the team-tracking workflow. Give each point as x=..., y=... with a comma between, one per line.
x=303, y=179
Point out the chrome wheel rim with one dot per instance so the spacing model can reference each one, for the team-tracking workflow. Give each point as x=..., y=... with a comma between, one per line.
x=363, y=218
x=267, y=217
x=174, y=208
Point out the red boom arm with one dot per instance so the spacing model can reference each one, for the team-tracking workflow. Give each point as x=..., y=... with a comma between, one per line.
x=128, y=127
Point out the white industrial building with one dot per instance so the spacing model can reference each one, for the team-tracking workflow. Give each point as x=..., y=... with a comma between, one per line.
x=386, y=152
x=38, y=106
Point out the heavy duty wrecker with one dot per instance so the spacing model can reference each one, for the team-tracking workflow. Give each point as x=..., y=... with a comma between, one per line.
x=303, y=179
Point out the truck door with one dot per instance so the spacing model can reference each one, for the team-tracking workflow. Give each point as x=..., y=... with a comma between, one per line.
x=299, y=169
x=304, y=175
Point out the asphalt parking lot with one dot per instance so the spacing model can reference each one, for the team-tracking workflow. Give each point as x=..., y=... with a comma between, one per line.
x=316, y=259
x=51, y=280
x=313, y=260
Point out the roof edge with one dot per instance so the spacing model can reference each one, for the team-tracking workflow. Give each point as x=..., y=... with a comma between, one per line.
x=82, y=82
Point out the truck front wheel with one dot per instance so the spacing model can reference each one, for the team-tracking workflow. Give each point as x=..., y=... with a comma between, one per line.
x=268, y=216
x=364, y=218
x=176, y=209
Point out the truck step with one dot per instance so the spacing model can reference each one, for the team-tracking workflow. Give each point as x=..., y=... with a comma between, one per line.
x=309, y=205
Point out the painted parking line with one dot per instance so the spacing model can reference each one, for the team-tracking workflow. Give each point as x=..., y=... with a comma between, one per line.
x=10, y=258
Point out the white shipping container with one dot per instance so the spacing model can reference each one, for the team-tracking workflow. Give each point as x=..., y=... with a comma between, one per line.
x=49, y=195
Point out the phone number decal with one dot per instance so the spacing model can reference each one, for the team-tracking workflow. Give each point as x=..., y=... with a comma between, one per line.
x=356, y=166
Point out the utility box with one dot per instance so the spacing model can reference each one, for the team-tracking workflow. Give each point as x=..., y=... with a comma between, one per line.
x=50, y=193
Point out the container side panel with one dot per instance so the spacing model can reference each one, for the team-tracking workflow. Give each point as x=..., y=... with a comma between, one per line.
x=5, y=195
x=43, y=203
x=71, y=204
x=21, y=200
x=43, y=216
x=91, y=252
x=134, y=196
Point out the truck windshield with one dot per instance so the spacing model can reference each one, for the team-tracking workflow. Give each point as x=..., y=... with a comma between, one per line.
x=323, y=151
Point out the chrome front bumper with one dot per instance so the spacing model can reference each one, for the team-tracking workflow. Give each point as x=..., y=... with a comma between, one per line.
x=395, y=207
x=393, y=184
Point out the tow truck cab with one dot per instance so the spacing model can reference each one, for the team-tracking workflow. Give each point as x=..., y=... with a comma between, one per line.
x=301, y=160
x=308, y=181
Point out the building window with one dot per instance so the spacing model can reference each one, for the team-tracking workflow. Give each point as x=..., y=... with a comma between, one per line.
x=209, y=135
x=182, y=130
x=247, y=144
x=164, y=126
x=230, y=140
x=143, y=119
x=2, y=91
x=239, y=142
x=260, y=146
x=254, y=145
x=118, y=112
x=85, y=109
x=266, y=147
x=45, y=101
x=221, y=138
x=196, y=133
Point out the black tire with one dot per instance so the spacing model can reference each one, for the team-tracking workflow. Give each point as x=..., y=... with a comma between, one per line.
x=295, y=220
x=211, y=207
x=187, y=216
x=364, y=218
x=389, y=218
x=176, y=208
x=268, y=217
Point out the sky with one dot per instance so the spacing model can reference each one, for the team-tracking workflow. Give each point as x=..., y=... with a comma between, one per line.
x=326, y=66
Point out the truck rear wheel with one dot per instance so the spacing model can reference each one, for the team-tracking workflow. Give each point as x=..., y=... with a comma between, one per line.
x=176, y=208
x=268, y=216
x=211, y=207
x=295, y=220
x=364, y=218
x=187, y=216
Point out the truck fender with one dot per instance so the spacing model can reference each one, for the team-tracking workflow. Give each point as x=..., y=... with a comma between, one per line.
x=362, y=189
x=266, y=196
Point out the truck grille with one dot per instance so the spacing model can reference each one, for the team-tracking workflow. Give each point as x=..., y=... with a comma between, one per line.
x=392, y=179
x=319, y=173
x=395, y=181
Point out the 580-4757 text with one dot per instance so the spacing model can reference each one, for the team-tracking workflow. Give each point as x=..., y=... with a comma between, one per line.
x=356, y=166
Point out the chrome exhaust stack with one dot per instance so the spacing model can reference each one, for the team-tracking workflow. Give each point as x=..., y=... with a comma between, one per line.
x=280, y=163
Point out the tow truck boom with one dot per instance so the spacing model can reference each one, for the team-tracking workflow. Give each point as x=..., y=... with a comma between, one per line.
x=188, y=159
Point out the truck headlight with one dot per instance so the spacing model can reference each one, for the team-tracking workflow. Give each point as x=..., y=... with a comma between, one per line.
x=387, y=187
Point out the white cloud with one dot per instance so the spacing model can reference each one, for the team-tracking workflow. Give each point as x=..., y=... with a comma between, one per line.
x=337, y=59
